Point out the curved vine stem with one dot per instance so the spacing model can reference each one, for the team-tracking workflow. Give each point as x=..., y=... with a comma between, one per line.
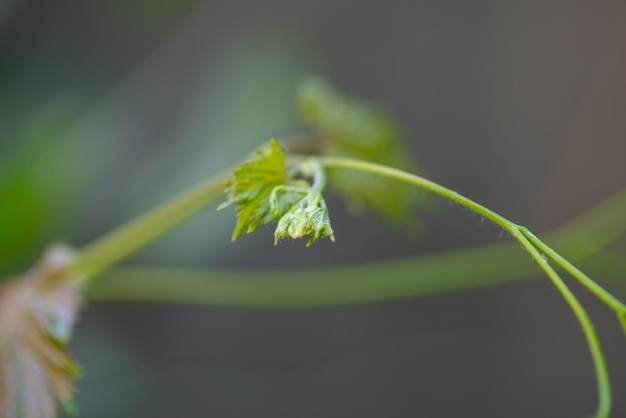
x=533, y=245
x=585, y=280
x=602, y=373
x=521, y=233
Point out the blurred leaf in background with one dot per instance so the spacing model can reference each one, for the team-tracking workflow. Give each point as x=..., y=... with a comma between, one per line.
x=354, y=128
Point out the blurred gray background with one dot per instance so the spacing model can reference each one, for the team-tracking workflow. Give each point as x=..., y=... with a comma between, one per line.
x=108, y=107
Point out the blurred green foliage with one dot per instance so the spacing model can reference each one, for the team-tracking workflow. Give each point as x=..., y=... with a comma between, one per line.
x=357, y=129
x=40, y=174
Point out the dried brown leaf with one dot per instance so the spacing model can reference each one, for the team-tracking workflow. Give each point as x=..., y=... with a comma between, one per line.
x=37, y=313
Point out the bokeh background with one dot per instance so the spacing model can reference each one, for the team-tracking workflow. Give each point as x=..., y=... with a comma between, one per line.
x=108, y=107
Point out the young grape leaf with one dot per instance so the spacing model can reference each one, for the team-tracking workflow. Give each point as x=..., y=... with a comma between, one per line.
x=37, y=313
x=356, y=129
x=308, y=217
x=251, y=185
x=264, y=192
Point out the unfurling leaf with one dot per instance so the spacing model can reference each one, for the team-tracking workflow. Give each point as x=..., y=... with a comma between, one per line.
x=265, y=192
x=357, y=129
x=308, y=217
x=37, y=313
x=251, y=185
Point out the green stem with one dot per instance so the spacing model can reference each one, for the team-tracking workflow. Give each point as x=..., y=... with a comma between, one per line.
x=585, y=280
x=120, y=243
x=602, y=374
x=519, y=233
x=394, y=173
x=428, y=275
x=314, y=169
